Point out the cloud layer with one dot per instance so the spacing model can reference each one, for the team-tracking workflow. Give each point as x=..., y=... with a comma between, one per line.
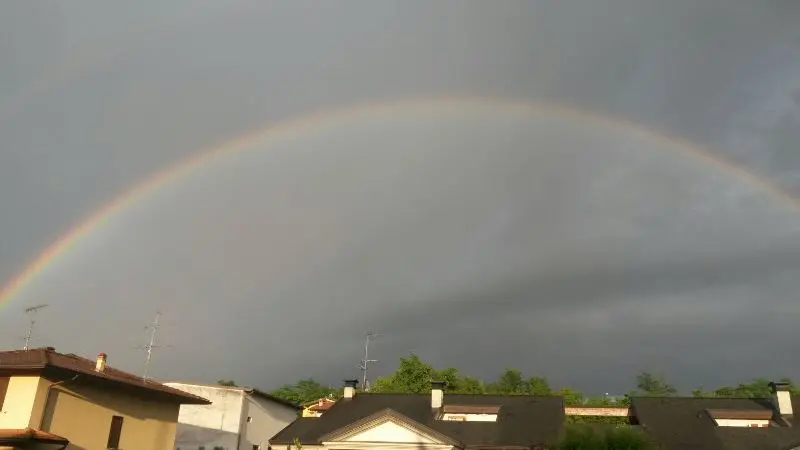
x=478, y=238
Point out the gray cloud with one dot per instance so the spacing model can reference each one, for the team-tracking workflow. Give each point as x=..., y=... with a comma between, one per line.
x=568, y=246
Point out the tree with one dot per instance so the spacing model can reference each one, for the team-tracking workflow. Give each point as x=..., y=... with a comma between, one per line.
x=654, y=385
x=412, y=376
x=304, y=391
x=538, y=386
x=509, y=382
x=226, y=383
x=571, y=396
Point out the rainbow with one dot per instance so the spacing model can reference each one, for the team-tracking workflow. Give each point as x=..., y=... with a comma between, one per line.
x=307, y=124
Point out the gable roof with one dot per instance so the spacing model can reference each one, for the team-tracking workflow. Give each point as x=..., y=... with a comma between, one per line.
x=522, y=420
x=686, y=423
x=50, y=362
x=245, y=389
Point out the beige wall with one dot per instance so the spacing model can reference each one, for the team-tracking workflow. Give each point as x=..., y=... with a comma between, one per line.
x=82, y=414
x=24, y=402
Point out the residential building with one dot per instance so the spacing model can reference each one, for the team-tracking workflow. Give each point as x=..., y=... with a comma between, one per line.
x=482, y=422
x=49, y=398
x=317, y=407
x=721, y=423
x=428, y=422
x=238, y=418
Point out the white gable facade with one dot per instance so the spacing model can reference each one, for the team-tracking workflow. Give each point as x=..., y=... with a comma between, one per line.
x=387, y=433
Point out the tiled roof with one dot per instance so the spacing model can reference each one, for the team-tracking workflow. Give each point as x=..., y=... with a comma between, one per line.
x=29, y=434
x=322, y=404
x=41, y=359
x=522, y=420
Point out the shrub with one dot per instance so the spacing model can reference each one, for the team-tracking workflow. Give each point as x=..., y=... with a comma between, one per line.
x=608, y=438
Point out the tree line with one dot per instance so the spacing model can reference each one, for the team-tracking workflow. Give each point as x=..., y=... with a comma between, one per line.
x=413, y=375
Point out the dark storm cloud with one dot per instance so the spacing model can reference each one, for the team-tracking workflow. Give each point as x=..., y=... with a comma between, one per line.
x=96, y=97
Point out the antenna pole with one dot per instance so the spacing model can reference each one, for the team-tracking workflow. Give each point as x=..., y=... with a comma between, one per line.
x=31, y=312
x=152, y=344
x=365, y=362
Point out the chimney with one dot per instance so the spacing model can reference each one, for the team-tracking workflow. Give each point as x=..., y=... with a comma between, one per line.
x=350, y=388
x=437, y=393
x=100, y=366
x=782, y=398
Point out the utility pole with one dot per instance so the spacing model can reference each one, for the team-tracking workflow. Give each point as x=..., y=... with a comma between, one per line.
x=365, y=362
x=152, y=344
x=32, y=313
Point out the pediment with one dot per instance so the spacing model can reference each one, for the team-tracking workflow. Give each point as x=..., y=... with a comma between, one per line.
x=391, y=431
x=388, y=426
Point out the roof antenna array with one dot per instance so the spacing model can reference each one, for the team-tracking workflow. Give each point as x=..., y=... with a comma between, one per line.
x=152, y=344
x=32, y=313
x=365, y=362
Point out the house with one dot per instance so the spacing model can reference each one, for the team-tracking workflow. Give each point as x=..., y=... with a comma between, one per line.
x=238, y=418
x=428, y=422
x=721, y=423
x=482, y=422
x=51, y=399
x=317, y=407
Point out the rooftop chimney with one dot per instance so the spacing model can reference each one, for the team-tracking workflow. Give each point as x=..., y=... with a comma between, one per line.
x=350, y=388
x=437, y=393
x=100, y=366
x=782, y=398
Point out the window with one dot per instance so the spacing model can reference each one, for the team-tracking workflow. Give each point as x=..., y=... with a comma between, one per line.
x=249, y=419
x=114, y=432
x=256, y=446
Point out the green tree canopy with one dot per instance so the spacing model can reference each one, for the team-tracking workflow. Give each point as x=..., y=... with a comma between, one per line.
x=226, y=383
x=413, y=375
x=305, y=391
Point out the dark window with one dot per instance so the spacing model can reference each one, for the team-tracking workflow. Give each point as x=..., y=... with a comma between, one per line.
x=3, y=389
x=114, y=432
x=255, y=447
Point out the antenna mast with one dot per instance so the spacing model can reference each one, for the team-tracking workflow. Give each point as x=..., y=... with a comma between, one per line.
x=154, y=327
x=365, y=362
x=32, y=313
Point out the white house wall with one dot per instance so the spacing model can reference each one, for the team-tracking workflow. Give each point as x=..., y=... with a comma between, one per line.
x=267, y=418
x=210, y=426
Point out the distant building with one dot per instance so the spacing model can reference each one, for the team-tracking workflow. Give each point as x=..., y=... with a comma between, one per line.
x=238, y=418
x=317, y=407
x=51, y=399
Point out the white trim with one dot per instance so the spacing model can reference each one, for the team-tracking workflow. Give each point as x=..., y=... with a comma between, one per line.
x=339, y=445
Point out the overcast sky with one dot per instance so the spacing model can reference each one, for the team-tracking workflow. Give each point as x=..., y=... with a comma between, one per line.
x=477, y=234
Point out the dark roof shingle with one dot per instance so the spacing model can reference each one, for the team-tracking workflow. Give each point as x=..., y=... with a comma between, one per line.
x=684, y=423
x=522, y=420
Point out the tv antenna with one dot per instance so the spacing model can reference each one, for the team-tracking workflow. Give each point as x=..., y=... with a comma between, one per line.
x=365, y=362
x=32, y=313
x=152, y=344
